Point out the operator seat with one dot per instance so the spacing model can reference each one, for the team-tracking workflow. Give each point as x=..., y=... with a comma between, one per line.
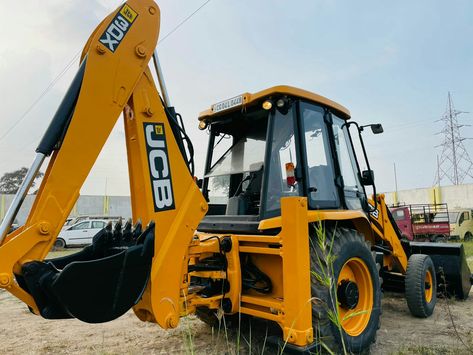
x=319, y=177
x=248, y=201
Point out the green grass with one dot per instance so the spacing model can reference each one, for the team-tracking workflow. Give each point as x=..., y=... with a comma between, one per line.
x=468, y=246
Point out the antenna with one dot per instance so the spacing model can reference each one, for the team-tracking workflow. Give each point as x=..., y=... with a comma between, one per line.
x=454, y=163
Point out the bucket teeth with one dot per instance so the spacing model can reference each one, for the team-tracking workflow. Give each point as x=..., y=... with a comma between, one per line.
x=100, y=282
x=127, y=232
x=137, y=229
x=113, y=237
x=149, y=229
x=117, y=231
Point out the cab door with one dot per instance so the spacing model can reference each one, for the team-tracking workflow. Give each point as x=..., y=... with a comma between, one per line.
x=317, y=159
x=353, y=192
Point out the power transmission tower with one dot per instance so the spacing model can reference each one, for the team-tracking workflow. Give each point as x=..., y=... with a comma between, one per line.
x=454, y=163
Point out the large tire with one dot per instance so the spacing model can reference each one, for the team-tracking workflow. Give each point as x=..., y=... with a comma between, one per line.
x=468, y=237
x=344, y=254
x=421, y=285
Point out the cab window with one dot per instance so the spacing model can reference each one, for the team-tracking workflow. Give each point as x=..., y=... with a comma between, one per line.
x=322, y=190
x=351, y=184
x=464, y=217
x=398, y=215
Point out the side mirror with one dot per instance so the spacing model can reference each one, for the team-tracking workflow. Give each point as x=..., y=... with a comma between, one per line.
x=367, y=177
x=377, y=128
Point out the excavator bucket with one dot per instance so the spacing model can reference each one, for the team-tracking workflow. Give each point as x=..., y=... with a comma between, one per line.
x=454, y=277
x=99, y=283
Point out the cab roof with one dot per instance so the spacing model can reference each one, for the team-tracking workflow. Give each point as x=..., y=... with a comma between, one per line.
x=247, y=99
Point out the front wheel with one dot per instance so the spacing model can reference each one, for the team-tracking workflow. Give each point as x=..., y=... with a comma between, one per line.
x=59, y=243
x=345, y=289
x=421, y=285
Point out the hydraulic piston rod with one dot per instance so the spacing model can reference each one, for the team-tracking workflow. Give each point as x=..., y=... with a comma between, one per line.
x=20, y=195
x=162, y=84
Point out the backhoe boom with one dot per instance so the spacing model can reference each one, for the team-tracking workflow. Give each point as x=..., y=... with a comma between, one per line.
x=113, y=77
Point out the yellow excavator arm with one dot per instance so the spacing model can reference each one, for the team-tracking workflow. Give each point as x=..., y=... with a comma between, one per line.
x=384, y=228
x=113, y=78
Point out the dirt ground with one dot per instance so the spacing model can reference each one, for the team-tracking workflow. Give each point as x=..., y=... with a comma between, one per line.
x=23, y=333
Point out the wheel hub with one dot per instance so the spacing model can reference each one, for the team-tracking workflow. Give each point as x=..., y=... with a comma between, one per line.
x=348, y=294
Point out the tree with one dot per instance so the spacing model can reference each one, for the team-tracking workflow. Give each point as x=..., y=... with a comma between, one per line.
x=10, y=182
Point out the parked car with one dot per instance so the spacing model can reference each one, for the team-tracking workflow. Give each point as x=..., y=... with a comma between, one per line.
x=74, y=220
x=79, y=234
x=423, y=222
x=461, y=224
x=69, y=222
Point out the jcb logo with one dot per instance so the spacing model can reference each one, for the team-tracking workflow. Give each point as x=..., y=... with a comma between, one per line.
x=374, y=213
x=117, y=30
x=160, y=171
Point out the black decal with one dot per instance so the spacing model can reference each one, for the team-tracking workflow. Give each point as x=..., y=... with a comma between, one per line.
x=159, y=168
x=118, y=28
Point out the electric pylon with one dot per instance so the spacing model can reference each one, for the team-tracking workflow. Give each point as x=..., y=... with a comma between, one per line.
x=454, y=163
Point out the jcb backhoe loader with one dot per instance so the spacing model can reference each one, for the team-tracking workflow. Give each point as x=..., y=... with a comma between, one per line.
x=281, y=228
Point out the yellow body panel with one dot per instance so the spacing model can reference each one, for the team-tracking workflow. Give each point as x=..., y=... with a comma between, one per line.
x=174, y=227
x=252, y=99
x=284, y=258
x=359, y=219
x=384, y=229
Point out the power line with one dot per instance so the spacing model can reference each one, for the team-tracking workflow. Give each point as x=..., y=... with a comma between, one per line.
x=43, y=93
x=184, y=21
x=68, y=66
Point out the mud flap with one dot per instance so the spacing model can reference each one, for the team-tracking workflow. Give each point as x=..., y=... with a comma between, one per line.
x=452, y=271
x=99, y=283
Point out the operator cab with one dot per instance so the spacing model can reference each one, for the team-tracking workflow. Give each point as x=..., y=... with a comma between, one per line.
x=278, y=142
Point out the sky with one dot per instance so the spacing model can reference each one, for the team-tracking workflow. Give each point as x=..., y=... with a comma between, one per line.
x=387, y=62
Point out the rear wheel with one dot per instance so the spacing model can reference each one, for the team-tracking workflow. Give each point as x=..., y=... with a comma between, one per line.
x=343, y=255
x=421, y=285
x=468, y=237
x=59, y=243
